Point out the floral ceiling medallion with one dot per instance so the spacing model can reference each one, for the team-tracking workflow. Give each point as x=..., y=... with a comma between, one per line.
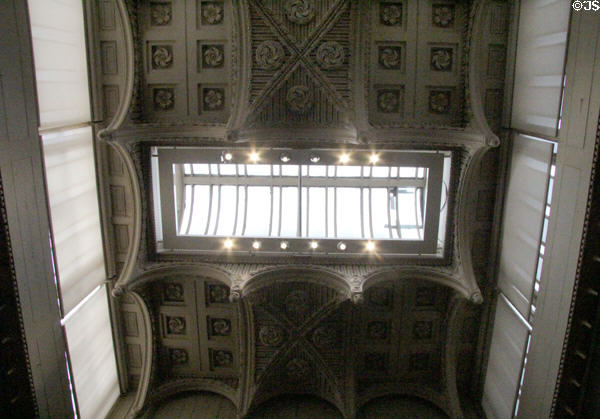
x=330, y=55
x=162, y=56
x=271, y=335
x=213, y=56
x=269, y=55
x=299, y=99
x=300, y=12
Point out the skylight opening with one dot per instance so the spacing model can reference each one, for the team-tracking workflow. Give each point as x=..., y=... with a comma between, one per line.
x=270, y=196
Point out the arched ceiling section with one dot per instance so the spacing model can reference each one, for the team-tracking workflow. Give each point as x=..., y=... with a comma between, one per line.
x=296, y=407
x=194, y=405
x=393, y=406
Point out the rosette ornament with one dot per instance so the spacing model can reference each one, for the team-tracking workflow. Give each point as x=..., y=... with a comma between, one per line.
x=269, y=55
x=299, y=99
x=300, y=12
x=330, y=55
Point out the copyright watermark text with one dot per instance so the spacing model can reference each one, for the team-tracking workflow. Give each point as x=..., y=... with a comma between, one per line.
x=587, y=5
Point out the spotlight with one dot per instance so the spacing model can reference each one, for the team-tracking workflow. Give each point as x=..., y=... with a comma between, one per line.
x=373, y=158
x=285, y=157
x=314, y=244
x=341, y=246
x=228, y=244
x=315, y=158
x=226, y=156
x=256, y=244
x=370, y=246
x=344, y=158
x=284, y=245
x=254, y=157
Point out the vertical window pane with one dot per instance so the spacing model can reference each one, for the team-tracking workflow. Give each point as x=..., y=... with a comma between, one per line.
x=259, y=207
x=289, y=213
x=379, y=216
x=348, y=213
x=317, y=213
x=228, y=209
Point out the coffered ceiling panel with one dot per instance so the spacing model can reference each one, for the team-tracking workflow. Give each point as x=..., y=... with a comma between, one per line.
x=186, y=59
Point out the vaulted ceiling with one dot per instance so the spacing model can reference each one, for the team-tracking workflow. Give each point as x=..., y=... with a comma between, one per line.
x=398, y=74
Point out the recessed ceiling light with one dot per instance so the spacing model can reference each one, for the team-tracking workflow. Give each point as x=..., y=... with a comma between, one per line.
x=341, y=246
x=227, y=156
x=284, y=245
x=315, y=158
x=373, y=158
x=228, y=244
x=285, y=157
x=344, y=158
x=370, y=246
x=256, y=244
x=314, y=244
x=254, y=157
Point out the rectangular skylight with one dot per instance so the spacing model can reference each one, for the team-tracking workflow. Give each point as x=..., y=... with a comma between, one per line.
x=265, y=196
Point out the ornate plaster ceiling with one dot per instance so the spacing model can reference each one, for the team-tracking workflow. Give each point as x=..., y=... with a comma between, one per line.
x=301, y=73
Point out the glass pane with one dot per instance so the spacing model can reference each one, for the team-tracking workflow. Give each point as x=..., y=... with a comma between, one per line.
x=408, y=172
x=259, y=207
x=304, y=212
x=289, y=170
x=348, y=171
x=258, y=170
x=317, y=213
x=318, y=171
x=348, y=213
x=185, y=220
x=227, y=169
x=381, y=171
x=379, y=216
x=228, y=209
x=200, y=204
x=239, y=224
x=289, y=213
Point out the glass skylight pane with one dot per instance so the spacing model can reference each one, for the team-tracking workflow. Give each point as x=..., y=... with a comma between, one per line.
x=289, y=213
x=408, y=172
x=259, y=169
x=394, y=172
x=240, y=220
x=200, y=201
x=187, y=169
x=421, y=172
x=276, y=170
x=366, y=212
x=304, y=212
x=214, y=210
x=214, y=169
x=410, y=233
x=348, y=171
x=318, y=171
x=317, y=213
x=304, y=170
x=259, y=208
x=331, y=171
x=330, y=212
x=289, y=170
x=241, y=169
x=199, y=169
x=276, y=209
x=227, y=169
x=366, y=171
x=380, y=172
x=185, y=220
x=348, y=213
x=228, y=209
x=379, y=217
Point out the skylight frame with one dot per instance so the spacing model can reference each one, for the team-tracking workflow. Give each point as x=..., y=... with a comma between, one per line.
x=270, y=246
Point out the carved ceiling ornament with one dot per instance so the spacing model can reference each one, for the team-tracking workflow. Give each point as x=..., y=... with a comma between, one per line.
x=299, y=99
x=297, y=369
x=296, y=303
x=323, y=337
x=299, y=12
x=162, y=56
x=271, y=335
x=269, y=55
x=213, y=99
x=391, y=14
x=390, y=57
x=330, y=55
x=212, y=13
x=160, y=14
x=213, y=56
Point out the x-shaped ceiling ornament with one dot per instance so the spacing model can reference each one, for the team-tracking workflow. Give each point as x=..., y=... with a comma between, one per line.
x=300, y=51
x=300, y=334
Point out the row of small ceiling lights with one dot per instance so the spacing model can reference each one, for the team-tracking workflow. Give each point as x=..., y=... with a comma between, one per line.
x=254, y=157
x=284, y=245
